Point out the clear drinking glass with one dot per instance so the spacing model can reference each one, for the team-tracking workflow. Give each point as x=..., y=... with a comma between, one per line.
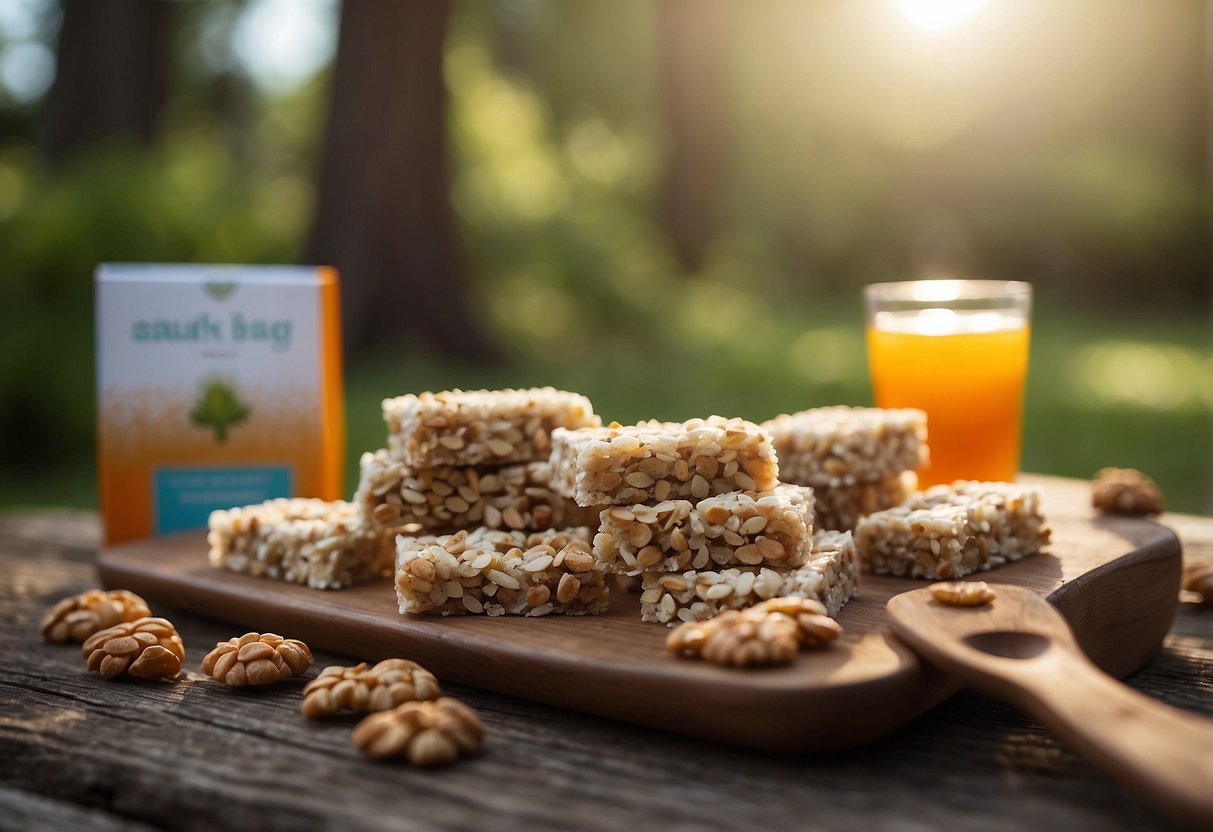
x=957, y=349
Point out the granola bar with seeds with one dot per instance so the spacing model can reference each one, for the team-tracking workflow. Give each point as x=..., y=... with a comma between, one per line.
x=651, y=462
x=843, y=446
x=498, y=572
x=481, y=427
x=950, y=531
x=840, y=507
x=305, y=541
x=830, y=577
x=392, y=494
x=764, y=528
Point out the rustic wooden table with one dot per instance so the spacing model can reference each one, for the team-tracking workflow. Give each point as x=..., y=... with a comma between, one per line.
x=77, y=752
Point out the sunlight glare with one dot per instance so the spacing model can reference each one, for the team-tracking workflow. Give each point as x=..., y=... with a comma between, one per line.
x=937, y=15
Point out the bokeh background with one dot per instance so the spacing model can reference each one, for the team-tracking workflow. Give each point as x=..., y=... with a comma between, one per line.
x=669, y=206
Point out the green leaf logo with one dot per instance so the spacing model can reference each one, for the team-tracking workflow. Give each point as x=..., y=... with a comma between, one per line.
x=219, y=408
x=220, y=289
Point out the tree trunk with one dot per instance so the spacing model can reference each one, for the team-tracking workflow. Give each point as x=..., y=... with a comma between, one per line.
x=384, y=216
x=112, y=75
x=694, y=78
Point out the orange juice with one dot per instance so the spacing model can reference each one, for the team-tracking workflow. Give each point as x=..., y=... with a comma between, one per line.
x=967, y=371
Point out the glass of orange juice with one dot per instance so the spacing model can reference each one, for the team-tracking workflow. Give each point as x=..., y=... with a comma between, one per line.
x=957, y=349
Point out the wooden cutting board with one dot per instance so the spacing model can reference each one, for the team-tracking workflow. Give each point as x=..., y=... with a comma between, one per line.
x=1115, y=580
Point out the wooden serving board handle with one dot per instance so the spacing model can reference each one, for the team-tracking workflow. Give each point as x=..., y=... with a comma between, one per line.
x=1020, y=649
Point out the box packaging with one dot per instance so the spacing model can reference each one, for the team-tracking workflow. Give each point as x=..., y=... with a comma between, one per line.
x=217, y=386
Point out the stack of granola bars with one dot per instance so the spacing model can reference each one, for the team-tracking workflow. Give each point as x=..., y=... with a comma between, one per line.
x=697, y=511
x=520, y=502
x=857, y=459
x=473, y=465
x=455, y=461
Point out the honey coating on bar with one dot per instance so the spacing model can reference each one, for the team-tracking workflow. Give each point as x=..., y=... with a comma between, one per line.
x=844, y=446
x=830, y=577
x=448, y=498
x=949, y=531
x=771, y=528
x=319, y=543
x=651, y=462
x=489, y=572
x=481, y=427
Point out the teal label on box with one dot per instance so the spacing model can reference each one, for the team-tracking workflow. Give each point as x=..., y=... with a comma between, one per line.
x=185, y=497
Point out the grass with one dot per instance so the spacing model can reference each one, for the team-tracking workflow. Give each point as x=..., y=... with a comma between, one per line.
x=1103, y=390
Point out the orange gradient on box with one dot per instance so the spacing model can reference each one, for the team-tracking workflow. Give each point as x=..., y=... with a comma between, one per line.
x=959, y=351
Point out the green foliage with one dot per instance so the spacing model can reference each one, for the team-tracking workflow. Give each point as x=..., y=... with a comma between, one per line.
x=856, y=153
x=219, y=408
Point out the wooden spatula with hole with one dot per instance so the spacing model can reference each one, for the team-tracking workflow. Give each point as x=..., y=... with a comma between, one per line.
x=1019, y=648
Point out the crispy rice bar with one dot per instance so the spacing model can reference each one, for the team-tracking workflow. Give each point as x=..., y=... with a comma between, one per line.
x=304, y=541
x=840, y=446
x=481, y=427
x=500, y=572
x=831, y=577
x=449, y=498
x=767, y=528
x=952, y=530
x=656, y=461
x=841, y=507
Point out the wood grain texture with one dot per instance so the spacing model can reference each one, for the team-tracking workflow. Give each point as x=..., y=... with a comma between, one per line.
x=1115, y=578
x=78, y=752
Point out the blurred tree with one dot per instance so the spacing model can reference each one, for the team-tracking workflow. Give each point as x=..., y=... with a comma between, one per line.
x=693, y=44
x=111, y=79
x=384, y=217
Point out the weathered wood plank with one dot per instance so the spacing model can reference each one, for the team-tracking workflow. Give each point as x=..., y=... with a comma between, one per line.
x=76, y=751
x=33, y=813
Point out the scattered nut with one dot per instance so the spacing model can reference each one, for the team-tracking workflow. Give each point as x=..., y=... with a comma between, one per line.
x=963, y=593
x=769, y=633
x=427, y=733
x=148, y=648
x=78, y=617
x=256, y=659
x=1126, y=491
x=390, y=683
x=1198, y=578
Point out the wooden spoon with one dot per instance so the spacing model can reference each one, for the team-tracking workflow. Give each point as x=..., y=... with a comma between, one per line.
x=1019, y=648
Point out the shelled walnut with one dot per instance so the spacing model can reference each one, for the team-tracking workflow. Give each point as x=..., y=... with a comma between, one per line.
x=769, y=633
x=148, y=648
x=78, y=617
x=256, y=659
x=1198, y=578
x=963, y=593
x=390, y=683
x=1126, y=491
x=426, y=733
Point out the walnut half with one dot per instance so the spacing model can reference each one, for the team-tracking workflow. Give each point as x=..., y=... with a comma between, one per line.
x=390, y=683
x=1126, y=491
x=426, y=733
x=78, y=617
x=256, y=659
x=769, y=633
x=963, y=593
x=145, y=649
